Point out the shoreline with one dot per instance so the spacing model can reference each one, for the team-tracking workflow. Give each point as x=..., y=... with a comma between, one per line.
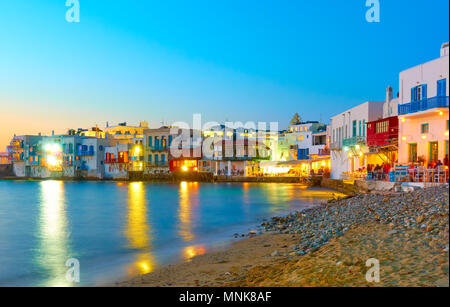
x=221, y=179
x=329, y=245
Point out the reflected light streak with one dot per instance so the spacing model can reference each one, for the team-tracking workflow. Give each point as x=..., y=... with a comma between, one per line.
x=188, y=199
x=53, y=234
x=190, y=252
x=138, y=231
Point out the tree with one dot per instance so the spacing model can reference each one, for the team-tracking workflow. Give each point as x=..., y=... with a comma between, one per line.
x=296, y=119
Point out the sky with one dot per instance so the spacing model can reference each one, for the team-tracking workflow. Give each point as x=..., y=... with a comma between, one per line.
x=230, y=60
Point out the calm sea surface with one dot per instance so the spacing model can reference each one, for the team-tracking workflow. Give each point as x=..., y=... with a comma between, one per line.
x=118, y=230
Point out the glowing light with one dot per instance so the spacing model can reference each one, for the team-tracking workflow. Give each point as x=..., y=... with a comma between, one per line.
x=424, y=137
x=404, y=138
x=357, y=147
x=446, y=133
x=350, y=155
x=345, y=148
x=52, y=161
x=402, y=119
x=360, y=154
x=53, y=233
x=441, y=113
x=138, y=231
x=184, y=168
x=193, y=251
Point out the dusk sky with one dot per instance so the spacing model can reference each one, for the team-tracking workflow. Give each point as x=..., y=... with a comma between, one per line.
x=241, y=60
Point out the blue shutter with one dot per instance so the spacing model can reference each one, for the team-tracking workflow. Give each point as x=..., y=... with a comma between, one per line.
x=442, y=88
x=424, y=91
x=150, y=141
x=413, y=98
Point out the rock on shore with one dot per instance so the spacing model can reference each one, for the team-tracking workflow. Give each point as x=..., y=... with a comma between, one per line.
x=424, y=210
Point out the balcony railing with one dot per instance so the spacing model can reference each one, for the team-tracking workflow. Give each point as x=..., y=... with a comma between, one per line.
x=86, y=153
x=158, y=148
x=324, y=152
x=423, y=105
x=357, y=140
x=158, y=164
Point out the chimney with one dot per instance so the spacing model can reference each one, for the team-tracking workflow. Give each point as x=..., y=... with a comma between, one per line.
x=389, y=94
x=444, y=49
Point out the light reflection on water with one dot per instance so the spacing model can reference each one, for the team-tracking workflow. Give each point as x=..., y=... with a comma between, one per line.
x=118, y=230
x=53, y=250
x=138, y=231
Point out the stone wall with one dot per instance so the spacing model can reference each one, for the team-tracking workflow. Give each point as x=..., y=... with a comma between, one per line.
x=6, y=170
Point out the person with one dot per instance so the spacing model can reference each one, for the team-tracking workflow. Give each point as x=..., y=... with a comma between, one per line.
x=446, y=160
x=386, y=168
x=439, y=163
x=430, y=165
x=369, y=167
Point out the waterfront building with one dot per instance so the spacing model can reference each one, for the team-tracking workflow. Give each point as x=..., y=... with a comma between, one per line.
x=68, y=156
x=156, y=145
x=424, y=111
x=116, y=161
x=5, y=158
x=23, y=152
x=306, y=138
x=382, y=134
x=122, y=131
x=348, y=138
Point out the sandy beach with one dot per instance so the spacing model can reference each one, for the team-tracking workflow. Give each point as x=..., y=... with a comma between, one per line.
x=407, y=233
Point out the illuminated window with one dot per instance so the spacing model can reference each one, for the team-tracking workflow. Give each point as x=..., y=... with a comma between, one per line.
x=425, y=128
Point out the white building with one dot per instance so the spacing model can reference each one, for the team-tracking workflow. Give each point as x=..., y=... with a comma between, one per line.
x=305, y=139
x=348, y=137
x=423, y=111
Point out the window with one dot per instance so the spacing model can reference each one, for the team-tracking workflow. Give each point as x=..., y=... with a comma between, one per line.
x=156, y=159
x=354, y=128
x=412, y=152
x=300, y=138
x=150, y=141
x=425, y=128
x=419, y=93
x=163, y=159
x=150, y=158
x=442, y=88
x=434, y=151
x=364, y=127
x=360, y=128
x=448, y=124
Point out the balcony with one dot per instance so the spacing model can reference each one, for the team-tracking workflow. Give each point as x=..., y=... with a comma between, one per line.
x=357, y=140
x=158, y=148
x=86, y=153
x=324, y=152
x=158, y=164
x=423, y=105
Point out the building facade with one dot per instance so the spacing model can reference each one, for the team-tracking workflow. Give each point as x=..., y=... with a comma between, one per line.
x=424, y=111
x=349, y=137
